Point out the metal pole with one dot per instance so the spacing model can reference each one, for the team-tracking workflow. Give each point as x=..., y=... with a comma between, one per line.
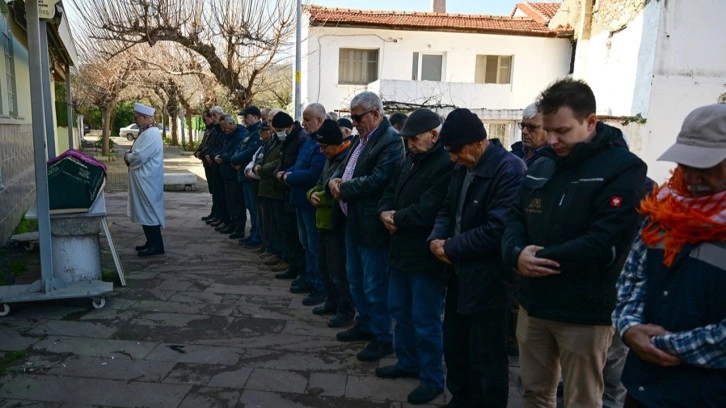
x=69, y=109
x=39, y=141
x=181, y=117
x=298, y=59
x=45, y=78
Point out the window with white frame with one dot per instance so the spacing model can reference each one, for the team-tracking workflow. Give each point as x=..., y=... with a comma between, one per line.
x=8, y=106
x=493, y=69
x=427, y=67
x=357, y=66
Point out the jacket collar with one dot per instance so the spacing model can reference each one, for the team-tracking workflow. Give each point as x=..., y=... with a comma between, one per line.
x=486, y=167
x=606, y=137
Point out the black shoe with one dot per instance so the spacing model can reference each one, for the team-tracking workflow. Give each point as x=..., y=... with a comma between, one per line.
x=208, y=217
x=215, y=222
x=339, y=321
x=314, y=298
x=142, y=247
x=375, y=350
x=220, y=226
x=286, y=274
x=252, y=245
x=392, y=371
x=301, y=288
x=355, y=333
x=150, y=252
x=228, y=230
x=324, y=310
x=454, y=403
x=423, y=394
x=236, y=235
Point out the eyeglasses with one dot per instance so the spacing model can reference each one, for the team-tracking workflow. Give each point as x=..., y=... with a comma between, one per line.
x=454, y=149
x=529, y=126
x=357, y=118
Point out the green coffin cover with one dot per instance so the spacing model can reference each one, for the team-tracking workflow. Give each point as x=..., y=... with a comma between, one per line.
x=73, y=185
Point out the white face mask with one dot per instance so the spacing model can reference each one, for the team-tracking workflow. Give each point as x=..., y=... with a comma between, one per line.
x=281, y=135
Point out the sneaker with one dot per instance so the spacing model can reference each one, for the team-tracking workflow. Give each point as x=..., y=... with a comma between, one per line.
x=314, y=298
x=324, y=310
x=375, y=350
x=286, y=274
x=355, y=333
x=423, y=393
x=339, y=320
x=393, y=371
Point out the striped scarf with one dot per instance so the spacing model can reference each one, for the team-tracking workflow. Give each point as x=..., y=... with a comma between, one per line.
x=676, y=218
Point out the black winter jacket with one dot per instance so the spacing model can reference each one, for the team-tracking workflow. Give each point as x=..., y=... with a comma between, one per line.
x=582, y=210
x=416, y=193
x=378, y=160
x=483, y=282
x=289, y=150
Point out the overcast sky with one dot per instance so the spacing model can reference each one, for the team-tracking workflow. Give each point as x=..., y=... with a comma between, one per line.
x=493, y=7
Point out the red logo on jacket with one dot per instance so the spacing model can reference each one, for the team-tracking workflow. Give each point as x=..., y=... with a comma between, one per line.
x=616, y=201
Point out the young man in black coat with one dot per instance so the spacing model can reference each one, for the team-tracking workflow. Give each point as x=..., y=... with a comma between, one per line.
x=572, y=225
x=467, y=235
x=416, y=278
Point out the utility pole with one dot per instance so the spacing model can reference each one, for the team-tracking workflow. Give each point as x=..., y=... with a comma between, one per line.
x=298, y=59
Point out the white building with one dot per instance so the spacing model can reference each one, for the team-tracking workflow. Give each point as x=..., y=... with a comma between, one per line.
x=493, y=65
x=656, y=59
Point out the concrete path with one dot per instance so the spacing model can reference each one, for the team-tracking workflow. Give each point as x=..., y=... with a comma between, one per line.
x=205, y=325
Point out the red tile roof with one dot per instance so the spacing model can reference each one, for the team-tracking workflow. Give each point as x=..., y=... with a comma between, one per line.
x=428, y=21
x=540, y=12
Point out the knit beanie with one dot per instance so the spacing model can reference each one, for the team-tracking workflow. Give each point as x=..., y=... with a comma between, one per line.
x=462, y=127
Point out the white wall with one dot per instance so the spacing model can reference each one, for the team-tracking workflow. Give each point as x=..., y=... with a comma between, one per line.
x=537, y=61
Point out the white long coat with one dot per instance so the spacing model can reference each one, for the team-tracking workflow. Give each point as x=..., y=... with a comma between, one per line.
x=146, y=179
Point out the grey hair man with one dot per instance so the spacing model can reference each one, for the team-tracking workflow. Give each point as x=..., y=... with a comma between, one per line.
x=358, y=185
x=313, y=117
x=534, y=137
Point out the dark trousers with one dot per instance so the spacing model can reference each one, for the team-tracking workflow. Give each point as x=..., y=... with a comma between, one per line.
x=218, y=197
x=331, y=261
x=475, y=351
x=211, y=186
x=235, y=204
x=292, y=250
x=631, y=402
x=153, y=236
x=271, y=235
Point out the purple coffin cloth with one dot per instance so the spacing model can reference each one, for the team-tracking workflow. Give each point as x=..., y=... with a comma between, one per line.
x=80, y=156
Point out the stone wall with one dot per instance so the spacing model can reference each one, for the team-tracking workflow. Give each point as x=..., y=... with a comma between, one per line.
x=18, y=175
x=598, y=15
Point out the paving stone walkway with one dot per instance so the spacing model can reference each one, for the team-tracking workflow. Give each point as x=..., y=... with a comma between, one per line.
x=205, y=325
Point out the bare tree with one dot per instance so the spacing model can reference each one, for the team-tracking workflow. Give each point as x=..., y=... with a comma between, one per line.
x=103, y=82
x=238, y=39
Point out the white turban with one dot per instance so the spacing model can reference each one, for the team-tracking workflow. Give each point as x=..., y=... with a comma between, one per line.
x=143, y=109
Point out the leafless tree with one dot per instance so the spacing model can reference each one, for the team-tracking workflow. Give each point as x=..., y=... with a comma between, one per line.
x=237, y=39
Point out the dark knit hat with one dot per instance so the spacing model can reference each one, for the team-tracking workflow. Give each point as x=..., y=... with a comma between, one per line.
x=346, y=123
x=251, y=110
x=462, y=127
x=282, y=120
x=420, y=121
x=329, y=133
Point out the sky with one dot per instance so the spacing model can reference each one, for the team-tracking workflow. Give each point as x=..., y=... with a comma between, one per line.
x=492, y=7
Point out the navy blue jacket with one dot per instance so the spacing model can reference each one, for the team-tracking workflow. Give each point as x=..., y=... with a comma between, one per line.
x=686, y=296
x=231, y=142
x=246, y=149
x=483, y=282
x=305, y=173
x=376, y=164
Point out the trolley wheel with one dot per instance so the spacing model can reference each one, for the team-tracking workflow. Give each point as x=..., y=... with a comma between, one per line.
x=5, y=310
x=98, y=303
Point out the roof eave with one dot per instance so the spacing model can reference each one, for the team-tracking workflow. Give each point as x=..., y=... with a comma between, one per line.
x=403, y=27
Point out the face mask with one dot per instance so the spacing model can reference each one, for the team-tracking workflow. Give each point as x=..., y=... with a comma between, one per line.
x=281, y=135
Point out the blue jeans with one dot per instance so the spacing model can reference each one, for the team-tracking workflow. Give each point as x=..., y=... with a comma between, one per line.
x=310, y=240
x=251, y=203
x=368, y=279
x=416, y=302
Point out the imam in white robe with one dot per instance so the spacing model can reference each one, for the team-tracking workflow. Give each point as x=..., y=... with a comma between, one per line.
x=146, y=179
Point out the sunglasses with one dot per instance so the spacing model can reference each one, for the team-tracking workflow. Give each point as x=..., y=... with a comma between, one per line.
x=357, y=118
x=529, y=126
x=454, y=149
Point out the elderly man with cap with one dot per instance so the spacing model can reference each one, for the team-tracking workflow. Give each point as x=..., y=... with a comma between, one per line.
x=416, y=278
x=234, y=135
x=467, y=236
x=146, y=181
x=242, y=157
x=214, y=145
x=330, y=222
x=346, y=127
x=671, y=310
x=358, y=185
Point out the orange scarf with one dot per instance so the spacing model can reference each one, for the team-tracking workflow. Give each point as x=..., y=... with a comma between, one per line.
x=677, y=218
